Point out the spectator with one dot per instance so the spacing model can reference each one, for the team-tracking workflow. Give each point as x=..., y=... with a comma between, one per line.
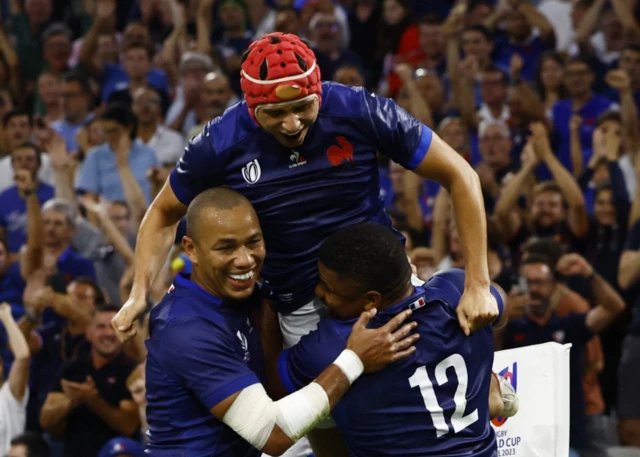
x=115, y=254
x=216, y=97
x=115, y=76
x=29, y=444
x=541, y=323
x=11, y=283
x=194, y=67
x=117, y=170
x=349, y=75
x=557, y=208
x=137, y=59
x=18, y=129
x=136, y=385
x=90, y=404
x=578, y=78
x=48, y=255
x=496, y=166
x=14, y=393
x=629, y=376
x=528, y=33
x=13, y=209
x=548, y=79
x=52, y=346
x=76, y=103
x=167, y=144
x=51, y=95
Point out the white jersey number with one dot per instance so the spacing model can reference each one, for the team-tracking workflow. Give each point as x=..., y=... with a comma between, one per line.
x=458, y=420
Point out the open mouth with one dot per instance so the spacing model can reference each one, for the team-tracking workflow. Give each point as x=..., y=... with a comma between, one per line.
x=294, y=138
x=242, y=281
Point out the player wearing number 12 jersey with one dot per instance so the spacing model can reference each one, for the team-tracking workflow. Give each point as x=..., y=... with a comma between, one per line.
x=434, y=403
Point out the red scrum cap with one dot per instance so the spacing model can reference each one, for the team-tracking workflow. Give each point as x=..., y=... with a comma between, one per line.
x=279, y=68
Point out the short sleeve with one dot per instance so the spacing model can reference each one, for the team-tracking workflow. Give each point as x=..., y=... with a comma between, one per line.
x=89, y=174
x=204, y=357
x=302, y=363
x=396, y=133
x=633, y=238
x=200, y=168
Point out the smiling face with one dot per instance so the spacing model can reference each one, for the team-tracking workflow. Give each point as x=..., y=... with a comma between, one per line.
x=289, y=122
x=228, y=255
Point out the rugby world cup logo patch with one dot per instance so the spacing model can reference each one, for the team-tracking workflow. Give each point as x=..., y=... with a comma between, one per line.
x=511, y=375
x=251, y=172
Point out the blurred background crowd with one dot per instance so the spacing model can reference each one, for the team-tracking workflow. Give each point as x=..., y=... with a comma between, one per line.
x=99, y=97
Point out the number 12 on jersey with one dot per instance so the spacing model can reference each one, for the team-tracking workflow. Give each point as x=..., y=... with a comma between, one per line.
x=458, y=420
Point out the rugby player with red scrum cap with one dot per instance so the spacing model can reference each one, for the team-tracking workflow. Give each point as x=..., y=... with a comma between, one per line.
x=303, y=152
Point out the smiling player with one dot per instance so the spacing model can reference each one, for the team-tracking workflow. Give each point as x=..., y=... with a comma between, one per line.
x=304, y=153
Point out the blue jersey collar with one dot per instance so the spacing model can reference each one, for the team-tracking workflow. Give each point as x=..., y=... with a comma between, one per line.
x=183, y=281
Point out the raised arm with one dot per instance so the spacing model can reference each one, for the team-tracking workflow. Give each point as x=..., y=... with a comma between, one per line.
x=31, y=256
x=577, y=218
x=418, y=106
x=589, y=22
x=132, y=191
x=19, y=374
x=608, y=302
x=156, y=235
x=105, y=9
x=537, y=20
x=620, y=81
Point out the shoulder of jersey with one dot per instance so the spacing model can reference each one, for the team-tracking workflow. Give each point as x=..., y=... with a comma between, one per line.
x=341, y=101
x=234, y=125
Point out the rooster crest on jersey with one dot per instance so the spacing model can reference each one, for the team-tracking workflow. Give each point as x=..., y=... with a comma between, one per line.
x=279, y=68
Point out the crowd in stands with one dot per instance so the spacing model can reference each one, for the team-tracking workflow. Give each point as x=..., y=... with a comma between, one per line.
x=98, y=99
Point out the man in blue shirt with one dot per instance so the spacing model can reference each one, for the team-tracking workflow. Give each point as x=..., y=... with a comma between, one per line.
x=117, y=170
x=304, y=153
x=205, y=365
x=13, y=208
x=432, y=403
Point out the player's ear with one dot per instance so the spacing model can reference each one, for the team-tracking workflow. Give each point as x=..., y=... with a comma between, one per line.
x=372, y=299
x=189, y=249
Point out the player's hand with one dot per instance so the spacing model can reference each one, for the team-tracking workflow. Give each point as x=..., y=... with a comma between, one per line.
x=476, y=309
x=379, y=347
x=122, y=322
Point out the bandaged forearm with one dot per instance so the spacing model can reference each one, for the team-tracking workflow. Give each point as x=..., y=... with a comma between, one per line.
x=253, y=414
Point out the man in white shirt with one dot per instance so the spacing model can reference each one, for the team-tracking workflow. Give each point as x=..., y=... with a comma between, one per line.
x=18, y=130
x=14, y=394
x=167, y=144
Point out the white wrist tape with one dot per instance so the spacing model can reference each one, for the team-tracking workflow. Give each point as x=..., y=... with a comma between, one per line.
x=350, y=364
x=253, y=414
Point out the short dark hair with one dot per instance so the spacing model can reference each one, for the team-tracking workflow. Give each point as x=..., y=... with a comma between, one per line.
x=88, y=281
x=602, y=188
x=33, y=147
x=122, y=114
x=481, y=29
x=17, y=112
x=139, y=45
x=579, y=59
x=543, y=259
x=107, y=308
x=545, y=247
x=34, y=442
x=221, y=198
x=74, y=77
x=493, y=69
x=369, y=253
